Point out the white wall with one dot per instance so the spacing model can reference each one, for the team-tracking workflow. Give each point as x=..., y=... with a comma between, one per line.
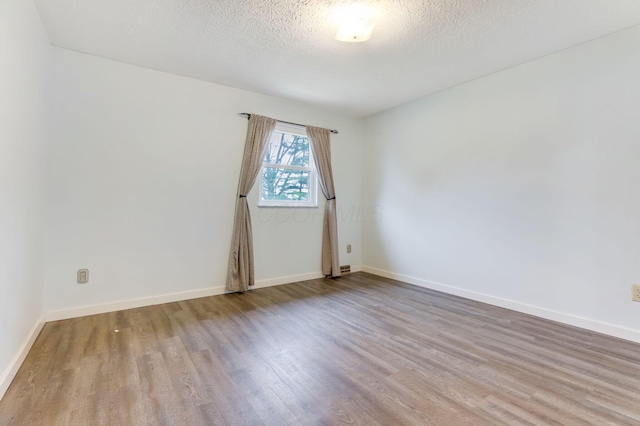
x=142, y=184
x=23, y=55
x=524, y=185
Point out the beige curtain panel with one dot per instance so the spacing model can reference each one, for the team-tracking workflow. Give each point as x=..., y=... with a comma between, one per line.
x=241, y=274
x=321, y=147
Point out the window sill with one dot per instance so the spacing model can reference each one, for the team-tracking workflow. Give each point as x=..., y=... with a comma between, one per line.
x=288, y=205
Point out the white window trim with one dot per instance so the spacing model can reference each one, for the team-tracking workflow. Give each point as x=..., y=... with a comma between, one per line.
x=313, y=174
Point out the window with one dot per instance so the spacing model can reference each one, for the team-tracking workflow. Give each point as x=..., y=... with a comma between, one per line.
x=288, y=175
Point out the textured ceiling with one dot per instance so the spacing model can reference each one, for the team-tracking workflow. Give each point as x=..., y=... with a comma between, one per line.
x=286, y=48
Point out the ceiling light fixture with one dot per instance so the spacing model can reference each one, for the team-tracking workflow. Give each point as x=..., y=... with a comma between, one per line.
x=356, y=22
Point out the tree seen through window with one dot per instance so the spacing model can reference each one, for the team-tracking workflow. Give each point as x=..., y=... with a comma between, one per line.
x=286, y=171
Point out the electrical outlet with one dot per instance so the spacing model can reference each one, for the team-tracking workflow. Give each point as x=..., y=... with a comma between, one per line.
x=348, y=248
x=83, y=276
x=635, y=292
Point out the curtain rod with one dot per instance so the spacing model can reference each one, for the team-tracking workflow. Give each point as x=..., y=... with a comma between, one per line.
x=246, y=114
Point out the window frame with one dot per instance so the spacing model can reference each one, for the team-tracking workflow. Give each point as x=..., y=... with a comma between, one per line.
x=311, y=168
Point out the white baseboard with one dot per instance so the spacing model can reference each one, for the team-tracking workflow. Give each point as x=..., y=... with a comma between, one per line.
x=131, y=303
x=295, y=278
x=286, y=280
x=581, y=322
x=18, y=359
x=173, y=297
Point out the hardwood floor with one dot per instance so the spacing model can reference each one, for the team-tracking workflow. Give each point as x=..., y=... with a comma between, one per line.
x=359, y=350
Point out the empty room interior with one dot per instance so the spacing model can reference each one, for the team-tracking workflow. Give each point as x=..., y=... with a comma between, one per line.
x=319, y=212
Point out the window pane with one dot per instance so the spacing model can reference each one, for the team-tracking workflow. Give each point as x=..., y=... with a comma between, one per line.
x=284, y=184
x=288, y=149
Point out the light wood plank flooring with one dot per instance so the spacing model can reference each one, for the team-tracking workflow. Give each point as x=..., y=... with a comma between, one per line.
x=358, y=350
